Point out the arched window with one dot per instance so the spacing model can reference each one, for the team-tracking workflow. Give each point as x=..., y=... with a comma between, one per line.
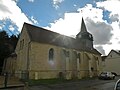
x=51, y=54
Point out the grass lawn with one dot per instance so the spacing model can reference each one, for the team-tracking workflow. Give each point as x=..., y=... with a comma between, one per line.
x=47, y=81
x=53, y=81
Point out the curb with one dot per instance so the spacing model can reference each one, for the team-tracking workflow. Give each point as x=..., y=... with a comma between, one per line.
x=11, y=87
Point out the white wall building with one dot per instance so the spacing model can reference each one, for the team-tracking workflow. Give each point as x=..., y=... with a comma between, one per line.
x=112, y=62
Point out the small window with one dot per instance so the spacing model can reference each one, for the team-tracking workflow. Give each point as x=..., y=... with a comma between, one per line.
x=51, y=54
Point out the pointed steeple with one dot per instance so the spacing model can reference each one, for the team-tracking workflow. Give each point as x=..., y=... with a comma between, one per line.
x=83, y=27
x=84, y=37
x=84, y=34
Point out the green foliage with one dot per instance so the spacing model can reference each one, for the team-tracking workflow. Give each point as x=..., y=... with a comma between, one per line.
x=4, y=51
x=33, y=82
x=7, y=46
x=13, y=41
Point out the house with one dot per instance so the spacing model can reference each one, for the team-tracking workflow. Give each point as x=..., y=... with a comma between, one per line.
x=43, y=54
x=112, y=62
x=103, y=62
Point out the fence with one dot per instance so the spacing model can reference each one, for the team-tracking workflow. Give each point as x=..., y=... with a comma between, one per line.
x=9, y=80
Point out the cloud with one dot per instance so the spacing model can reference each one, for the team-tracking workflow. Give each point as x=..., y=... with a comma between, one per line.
x=71, y=23
x=2, y=24
x=10, y=11
x=4, y=9
x=115, y=38
x=105, y=32
x=11, y=27
x=114, y=16
x=1, y=27
x=100, y=49
x=101, y=31
x=116, y=35
x=110, y=5
x=15, y=0
x=93, y=13
x=75, y=5
x=31, y=0
x=33, y=20
x=56, y=3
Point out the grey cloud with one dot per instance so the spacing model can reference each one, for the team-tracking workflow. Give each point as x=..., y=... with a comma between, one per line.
x=110, y=43
x=119, y=42
x=119, y=24
x=100, y=49
x=114, y=17
x=15, y=0
x=100, y=31
x=4, y=8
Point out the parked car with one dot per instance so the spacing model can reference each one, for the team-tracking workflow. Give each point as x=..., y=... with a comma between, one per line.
x=117, y=85
x=106, y=75
x=114, y=73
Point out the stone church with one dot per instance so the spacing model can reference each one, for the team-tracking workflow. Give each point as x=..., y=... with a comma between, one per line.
x=44, y=54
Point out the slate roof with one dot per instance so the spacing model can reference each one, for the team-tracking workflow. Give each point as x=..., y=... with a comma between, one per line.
x=41, y=35
x=116, y=51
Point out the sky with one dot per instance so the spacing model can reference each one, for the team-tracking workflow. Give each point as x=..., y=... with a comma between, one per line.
x=102, y=18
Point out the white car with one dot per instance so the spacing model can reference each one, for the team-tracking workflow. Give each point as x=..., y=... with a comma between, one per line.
x=117, y=85
x=106, y=75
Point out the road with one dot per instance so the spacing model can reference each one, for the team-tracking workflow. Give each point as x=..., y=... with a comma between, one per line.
x=106, y=86
x=94, y=84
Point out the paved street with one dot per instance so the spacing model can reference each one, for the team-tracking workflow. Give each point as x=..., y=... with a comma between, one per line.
x=105, y=86
x=80, y=85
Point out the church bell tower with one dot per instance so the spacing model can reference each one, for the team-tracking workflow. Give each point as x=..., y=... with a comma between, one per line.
x=84, y=37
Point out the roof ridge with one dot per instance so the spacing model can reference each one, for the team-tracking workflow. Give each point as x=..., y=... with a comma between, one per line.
x=46, y=30
x=42, y=35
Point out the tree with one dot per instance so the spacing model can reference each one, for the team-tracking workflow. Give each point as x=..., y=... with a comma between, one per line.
x=13, y=42
x=4, y=47
x=7, y=46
